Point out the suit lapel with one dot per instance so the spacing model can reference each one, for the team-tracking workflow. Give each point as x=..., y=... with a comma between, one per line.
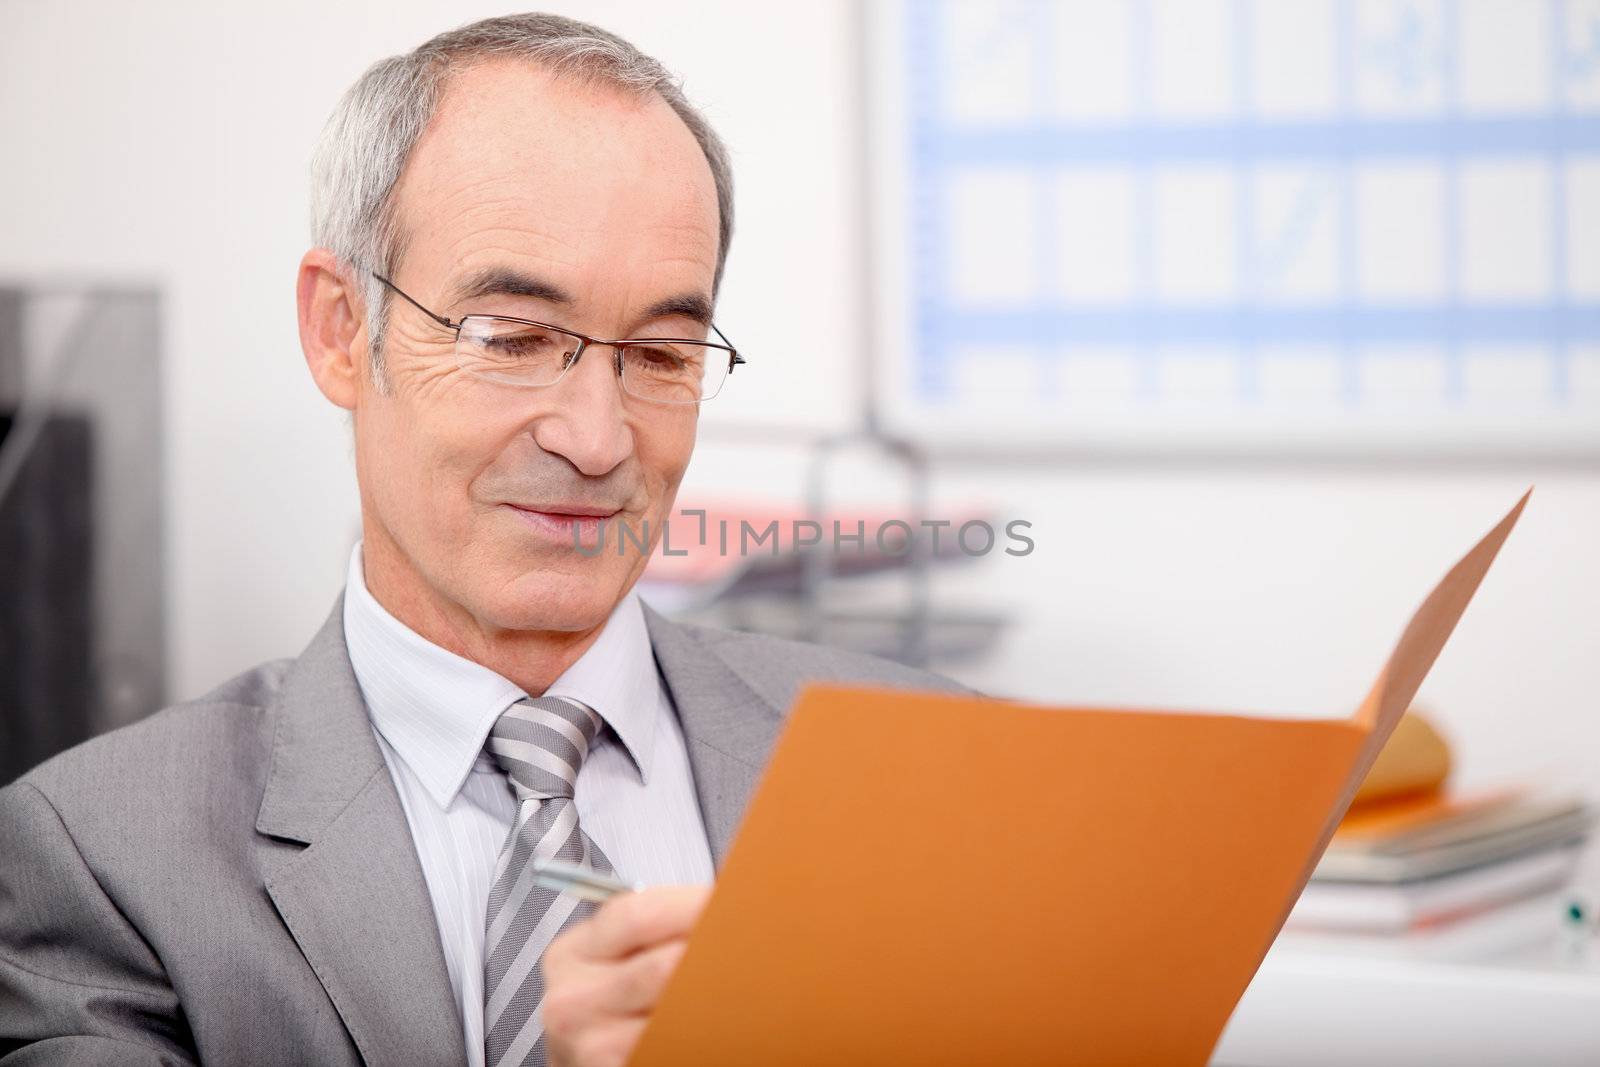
x=728, y=728
x=354, y=899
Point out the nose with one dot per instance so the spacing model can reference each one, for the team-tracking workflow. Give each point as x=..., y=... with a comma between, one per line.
x=586, y=422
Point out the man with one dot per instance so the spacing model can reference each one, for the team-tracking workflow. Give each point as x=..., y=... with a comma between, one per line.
x=330, y=860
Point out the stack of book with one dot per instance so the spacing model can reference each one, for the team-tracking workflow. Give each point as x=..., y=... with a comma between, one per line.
x=1409, y=863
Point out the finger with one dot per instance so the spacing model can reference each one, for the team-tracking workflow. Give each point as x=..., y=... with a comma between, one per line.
x=633, y=921
x=633, y=986
x=608, y=1046
x=588, y=998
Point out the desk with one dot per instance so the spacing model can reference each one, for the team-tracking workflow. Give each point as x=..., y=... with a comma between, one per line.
x=1509, y=988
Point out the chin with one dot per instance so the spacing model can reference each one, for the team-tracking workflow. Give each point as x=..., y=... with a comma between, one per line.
x=557, y=600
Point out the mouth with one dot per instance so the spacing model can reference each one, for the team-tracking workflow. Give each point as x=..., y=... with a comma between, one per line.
x=578, y=525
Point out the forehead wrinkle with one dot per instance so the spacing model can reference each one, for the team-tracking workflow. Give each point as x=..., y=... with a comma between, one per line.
x=511, y=222
x=472, y=200
x=511, y=249
x=687, y=245
x=484, y=220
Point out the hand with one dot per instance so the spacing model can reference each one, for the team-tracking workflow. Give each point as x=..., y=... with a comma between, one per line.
x=603, y=976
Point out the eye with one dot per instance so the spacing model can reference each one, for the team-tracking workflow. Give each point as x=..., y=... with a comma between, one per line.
x=661, y=356
x=519, y=342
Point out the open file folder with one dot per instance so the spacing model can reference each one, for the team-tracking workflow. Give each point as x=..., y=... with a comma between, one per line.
x=928, y=879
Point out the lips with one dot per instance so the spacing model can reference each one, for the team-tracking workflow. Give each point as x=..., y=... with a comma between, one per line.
x=567, y=511
x=572, y=525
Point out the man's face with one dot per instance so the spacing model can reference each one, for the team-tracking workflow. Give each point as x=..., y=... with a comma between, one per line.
x=605, y=202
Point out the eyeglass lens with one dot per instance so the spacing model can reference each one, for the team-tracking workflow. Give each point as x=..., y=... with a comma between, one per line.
x=522, y=353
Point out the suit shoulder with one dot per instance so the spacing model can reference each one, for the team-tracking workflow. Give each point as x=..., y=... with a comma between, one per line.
x=778, y=667
x=220, y=727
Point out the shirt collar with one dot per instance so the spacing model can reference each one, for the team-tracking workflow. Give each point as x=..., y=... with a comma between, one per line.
x=435, y=708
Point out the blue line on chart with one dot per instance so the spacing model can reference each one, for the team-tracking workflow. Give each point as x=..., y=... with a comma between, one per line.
x=1418, y=324
x=1560, y=288
x=1344, y=43
x=927, y=232
x=1325, y=140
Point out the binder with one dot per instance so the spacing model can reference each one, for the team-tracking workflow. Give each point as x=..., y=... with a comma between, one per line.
x=936, y=879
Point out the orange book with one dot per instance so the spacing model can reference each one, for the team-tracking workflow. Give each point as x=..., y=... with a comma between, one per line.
x=936, y=879
x=1389, y=819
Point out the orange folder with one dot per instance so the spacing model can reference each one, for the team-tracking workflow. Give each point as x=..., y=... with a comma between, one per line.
x=930, y=879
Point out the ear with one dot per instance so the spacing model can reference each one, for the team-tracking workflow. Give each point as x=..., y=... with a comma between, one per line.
x=332, y=326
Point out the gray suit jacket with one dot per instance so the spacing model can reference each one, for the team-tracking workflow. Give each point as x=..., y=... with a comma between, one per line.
x=233, y=880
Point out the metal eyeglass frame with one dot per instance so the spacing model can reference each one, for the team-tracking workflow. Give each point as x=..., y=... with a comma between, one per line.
x=584, y=341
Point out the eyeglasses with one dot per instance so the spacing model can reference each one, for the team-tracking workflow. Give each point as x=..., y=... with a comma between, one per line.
x=664, y=370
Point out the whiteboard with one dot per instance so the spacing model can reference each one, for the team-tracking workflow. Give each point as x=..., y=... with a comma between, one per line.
x=1324, y=225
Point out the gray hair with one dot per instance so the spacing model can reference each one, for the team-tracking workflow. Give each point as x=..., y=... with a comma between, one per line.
x=371, y=133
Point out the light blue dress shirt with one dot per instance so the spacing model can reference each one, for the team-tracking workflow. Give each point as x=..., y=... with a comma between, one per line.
x=432, y=710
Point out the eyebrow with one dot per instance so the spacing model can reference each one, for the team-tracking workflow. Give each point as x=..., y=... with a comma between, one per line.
x=507, y=281
x=692, y=306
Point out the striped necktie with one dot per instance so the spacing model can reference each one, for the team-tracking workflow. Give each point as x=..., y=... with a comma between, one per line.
x=540, y=743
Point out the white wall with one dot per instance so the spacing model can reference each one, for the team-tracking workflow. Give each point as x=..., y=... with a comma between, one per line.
x=170, y=142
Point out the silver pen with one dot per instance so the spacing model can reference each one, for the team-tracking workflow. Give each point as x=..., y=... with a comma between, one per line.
x=582, y=882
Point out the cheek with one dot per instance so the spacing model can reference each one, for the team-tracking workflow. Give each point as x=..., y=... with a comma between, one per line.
x=424, y=460
x=664, y=445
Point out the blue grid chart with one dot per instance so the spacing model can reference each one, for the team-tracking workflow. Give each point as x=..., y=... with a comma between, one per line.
x=1260, y=210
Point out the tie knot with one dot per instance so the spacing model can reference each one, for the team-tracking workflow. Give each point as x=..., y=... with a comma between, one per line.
x=540, y=743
